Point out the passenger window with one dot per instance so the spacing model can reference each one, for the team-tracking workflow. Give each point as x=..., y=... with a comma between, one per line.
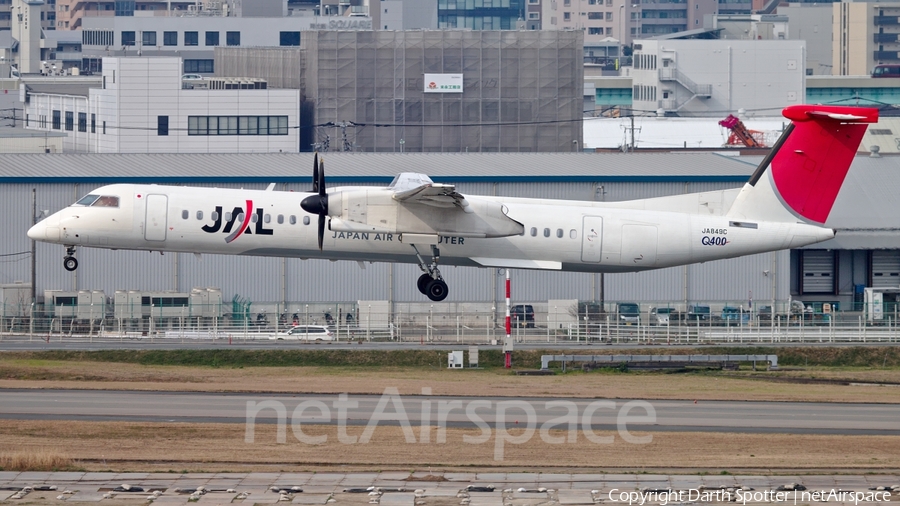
x=185, y=214
x=546, y=232
x=293, y=220
x=227, y=215
x=215, y=216
x=199, y=215
x=559, y=233
x=280, y=219
x=267, y=218
x=306, y=220
x=106, y=201
x=573, y=234
x=533, y=231
x=240, y=217
x=254, y=218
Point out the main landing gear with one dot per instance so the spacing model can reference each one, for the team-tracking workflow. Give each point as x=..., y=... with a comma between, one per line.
x=69, y=262
x=431, y=283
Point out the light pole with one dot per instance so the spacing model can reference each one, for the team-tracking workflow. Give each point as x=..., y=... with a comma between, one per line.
x=402, y=142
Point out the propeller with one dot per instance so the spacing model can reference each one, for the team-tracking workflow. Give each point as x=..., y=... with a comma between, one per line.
x=318, y=203
x=315, y=188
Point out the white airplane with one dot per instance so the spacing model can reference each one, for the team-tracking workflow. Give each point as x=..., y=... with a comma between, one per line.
x=783, y=205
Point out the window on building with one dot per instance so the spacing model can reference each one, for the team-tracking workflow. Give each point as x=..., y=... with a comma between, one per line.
x=289, y=39
x=595, y=15
x=127, y=38
x=212, y=38
x=124, y=7
x=162, y=125
x=191, y=39
x=82, y=122
x=608, y=30
x=27, y=120
x=534, y=15
x=148, y=38
x=567, y=16
x=567, y=3
x=609, y=16
x=595, y=31
x=233, y=38
x=70, y=121
x=237, y=125
x=104, y=128
x=170, y=38
x=199, y=66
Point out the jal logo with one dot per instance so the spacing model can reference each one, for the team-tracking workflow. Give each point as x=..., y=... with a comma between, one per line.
x=432, y=85
x=235, y=226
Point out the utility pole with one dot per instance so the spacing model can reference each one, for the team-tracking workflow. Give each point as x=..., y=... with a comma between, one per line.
x=632, y=128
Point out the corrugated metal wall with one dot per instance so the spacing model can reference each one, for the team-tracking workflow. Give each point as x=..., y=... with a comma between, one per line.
x=276, y=279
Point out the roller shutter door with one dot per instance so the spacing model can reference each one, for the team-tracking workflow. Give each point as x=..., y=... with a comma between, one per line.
x=818, y=271
x=886, y=269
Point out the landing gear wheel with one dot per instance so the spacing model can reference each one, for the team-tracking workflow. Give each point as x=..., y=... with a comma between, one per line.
x=423, y=281
x=436, y=290
x=70, y=263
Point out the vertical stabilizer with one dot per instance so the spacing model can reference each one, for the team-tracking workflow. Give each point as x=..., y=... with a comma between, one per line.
x=800, y=178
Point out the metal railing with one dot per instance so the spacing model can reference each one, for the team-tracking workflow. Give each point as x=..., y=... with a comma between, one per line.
x=467, y=323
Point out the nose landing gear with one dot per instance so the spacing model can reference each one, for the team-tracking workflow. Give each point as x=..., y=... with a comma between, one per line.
x=431, y=283
x=69, y=261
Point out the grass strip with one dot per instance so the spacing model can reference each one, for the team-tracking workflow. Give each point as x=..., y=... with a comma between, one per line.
x=824, y=356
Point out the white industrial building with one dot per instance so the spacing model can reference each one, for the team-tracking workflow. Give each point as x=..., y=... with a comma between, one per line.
x=144, y=106
x=712, y=77
x=866, y=251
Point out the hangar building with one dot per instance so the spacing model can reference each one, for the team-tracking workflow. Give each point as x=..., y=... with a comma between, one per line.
x=866, y=251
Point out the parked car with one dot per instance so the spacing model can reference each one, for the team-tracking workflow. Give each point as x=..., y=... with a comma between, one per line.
x=698, y=312
x=522, y=315
x=664, y=316
x=305, y=333
x=592, y=311
x=628, y=312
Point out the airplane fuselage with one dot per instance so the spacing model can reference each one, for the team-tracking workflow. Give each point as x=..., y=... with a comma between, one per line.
x=558, y=234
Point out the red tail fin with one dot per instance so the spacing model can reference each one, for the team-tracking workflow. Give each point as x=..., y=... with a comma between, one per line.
x=809, y=168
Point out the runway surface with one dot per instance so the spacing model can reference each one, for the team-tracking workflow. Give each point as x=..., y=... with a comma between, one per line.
x=463, y=412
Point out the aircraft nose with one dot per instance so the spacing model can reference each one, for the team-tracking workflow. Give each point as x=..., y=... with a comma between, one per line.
x=46, y=230
x=37, y=232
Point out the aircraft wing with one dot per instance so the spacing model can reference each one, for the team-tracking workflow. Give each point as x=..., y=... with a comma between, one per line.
x=433, y=194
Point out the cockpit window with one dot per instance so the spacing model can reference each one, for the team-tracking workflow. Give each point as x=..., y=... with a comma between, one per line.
x=106, y=201
x=87, y=200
